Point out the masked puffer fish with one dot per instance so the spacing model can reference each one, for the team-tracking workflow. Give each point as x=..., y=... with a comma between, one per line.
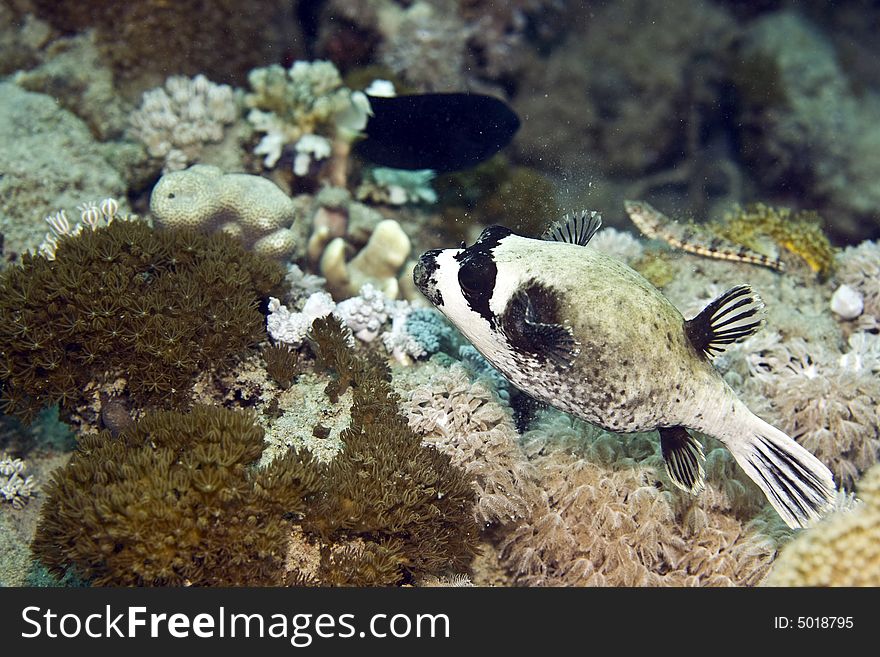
x=585, y=333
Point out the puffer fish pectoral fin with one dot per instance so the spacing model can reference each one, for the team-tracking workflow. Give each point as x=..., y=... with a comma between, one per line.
x=734, y=316
x=577, y=228
x=531, y=325
x=684, y=458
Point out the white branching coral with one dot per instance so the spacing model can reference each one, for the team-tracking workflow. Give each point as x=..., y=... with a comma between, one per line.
x=306, y=107
x=16, y=486
x=174, y=122
x=293, y=327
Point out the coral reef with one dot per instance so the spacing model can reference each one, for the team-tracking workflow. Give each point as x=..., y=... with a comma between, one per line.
x=149, y=41
x=49, y=160
x=385, y=487
x=174, y=122
x=172, y=502
x=825, y=400
x=842, y=550
x=252, y=209
x=155, y=308
x=604, y=521
x=466, y=420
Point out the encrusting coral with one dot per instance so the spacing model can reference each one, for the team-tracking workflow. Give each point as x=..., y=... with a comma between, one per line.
x=842, y=550
x=152, y=307
x=250, y=208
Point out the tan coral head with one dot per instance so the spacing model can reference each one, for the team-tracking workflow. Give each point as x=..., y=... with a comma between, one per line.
x=251, y=208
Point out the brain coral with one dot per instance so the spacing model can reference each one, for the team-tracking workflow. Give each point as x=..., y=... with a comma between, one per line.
x=843, y=550
x=250, y=208
x=152, y=307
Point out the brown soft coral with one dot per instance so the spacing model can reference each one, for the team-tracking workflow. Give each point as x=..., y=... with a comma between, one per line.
x=172, y=501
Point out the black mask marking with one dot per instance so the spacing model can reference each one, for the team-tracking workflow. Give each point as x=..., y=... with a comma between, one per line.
x=477, y=271
x=532, y=324
x=423, y=277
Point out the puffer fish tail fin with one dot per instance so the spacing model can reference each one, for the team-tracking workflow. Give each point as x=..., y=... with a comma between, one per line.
x=798, y=485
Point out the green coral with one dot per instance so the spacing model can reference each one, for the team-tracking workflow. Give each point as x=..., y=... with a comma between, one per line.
x=155, y=308
x=798, y=232
x=172, y=501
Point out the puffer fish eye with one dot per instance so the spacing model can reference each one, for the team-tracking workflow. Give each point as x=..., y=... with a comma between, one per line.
x=474, y=274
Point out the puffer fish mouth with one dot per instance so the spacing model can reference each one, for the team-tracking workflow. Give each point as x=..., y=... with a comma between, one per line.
x=423, y=276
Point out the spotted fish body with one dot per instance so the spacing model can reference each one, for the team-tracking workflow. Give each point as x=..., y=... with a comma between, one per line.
x=585, y=333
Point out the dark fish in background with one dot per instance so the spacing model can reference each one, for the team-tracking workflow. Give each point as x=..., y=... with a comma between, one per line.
x=443, y=132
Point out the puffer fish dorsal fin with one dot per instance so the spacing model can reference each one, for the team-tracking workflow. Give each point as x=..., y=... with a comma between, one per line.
x=734, y=316
x=683, y=455
x=576, y=228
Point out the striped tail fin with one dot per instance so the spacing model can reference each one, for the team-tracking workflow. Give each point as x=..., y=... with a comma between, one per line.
x=798, y=485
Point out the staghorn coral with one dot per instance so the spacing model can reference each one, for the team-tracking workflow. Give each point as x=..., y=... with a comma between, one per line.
x=172, y=501
x=250, y=208
x=174, y=122
x=842, y=550
x=137, y=310
x=603, y=519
